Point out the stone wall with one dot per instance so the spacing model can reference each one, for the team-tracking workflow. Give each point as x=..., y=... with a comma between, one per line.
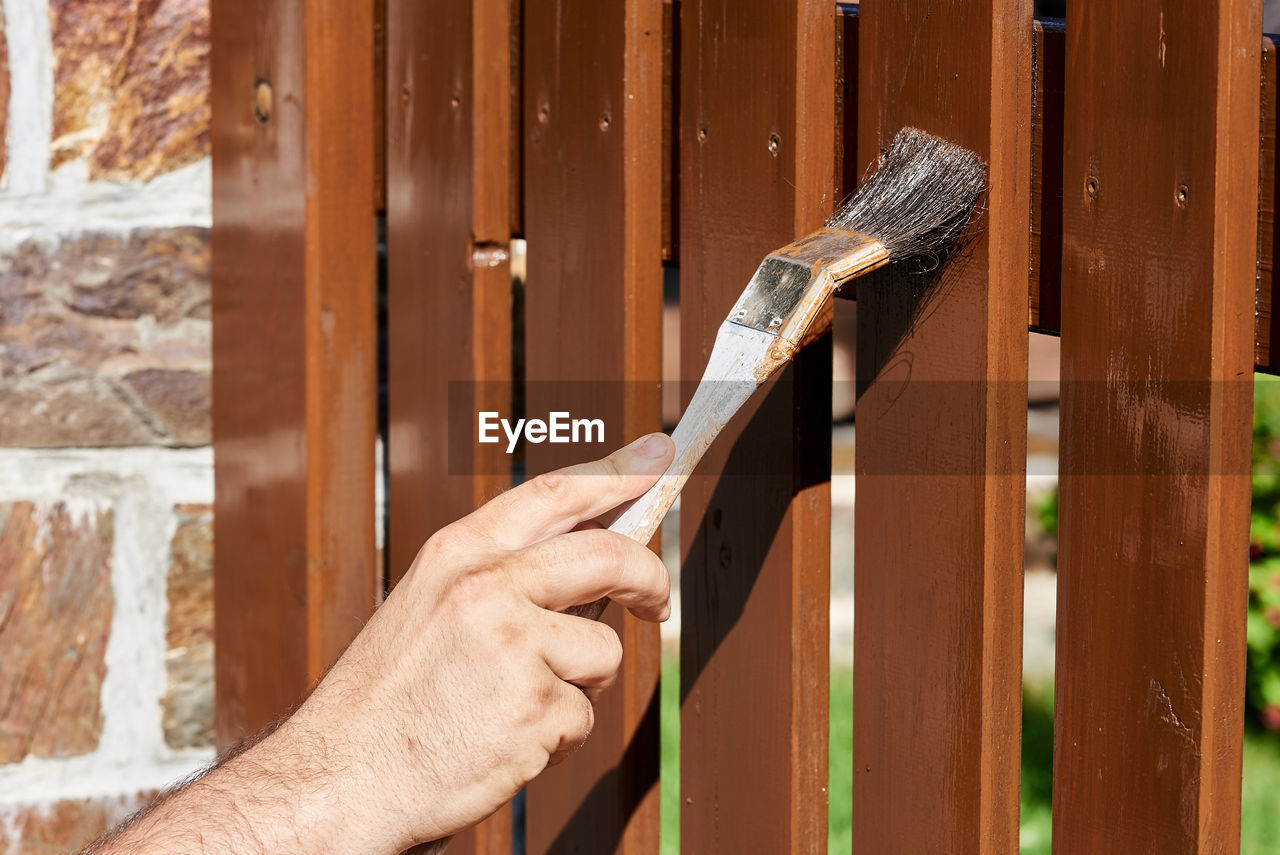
x=106, y=479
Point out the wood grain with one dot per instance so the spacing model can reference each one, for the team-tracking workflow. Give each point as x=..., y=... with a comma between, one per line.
x=1160, y=177
x=449, y=287
x=941, y=373
x=593, y=300
x=294, y=348
x=757, y=107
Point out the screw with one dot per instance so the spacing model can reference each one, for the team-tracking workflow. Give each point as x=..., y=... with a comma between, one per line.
x=775, y=142
x=262, y=101
x=1181, y=195
x=604, y=122
x=1091, y=187
x=702, y=134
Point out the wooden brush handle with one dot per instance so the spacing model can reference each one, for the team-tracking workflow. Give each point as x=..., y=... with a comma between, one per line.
x=643, y=517
x=741, y=361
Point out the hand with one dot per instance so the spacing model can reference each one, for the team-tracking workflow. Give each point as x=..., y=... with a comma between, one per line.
x=468, y=682
x=463, y=687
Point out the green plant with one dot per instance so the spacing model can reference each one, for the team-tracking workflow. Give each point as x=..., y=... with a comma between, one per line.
x=1262, y=677
x=1046, y=512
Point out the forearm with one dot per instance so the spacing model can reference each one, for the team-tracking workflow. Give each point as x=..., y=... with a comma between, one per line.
x=280, y=796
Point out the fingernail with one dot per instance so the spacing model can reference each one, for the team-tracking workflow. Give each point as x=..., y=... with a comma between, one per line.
x=652, y=446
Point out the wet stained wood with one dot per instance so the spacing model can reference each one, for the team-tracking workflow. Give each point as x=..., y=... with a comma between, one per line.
x=294, y=296
x=1267, y=319
x=941, y=374
x=593, y=122
x=1160, y=178
x=1046, y=187
x=449, y=287
x=757, y=113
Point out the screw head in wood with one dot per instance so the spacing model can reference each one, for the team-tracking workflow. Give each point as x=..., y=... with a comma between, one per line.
x=262, y=101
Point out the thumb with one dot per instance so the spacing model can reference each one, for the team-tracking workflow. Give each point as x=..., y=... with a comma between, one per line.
x=554, y=503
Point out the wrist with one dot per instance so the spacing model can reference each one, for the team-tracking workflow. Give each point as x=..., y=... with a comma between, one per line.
x=312, y=776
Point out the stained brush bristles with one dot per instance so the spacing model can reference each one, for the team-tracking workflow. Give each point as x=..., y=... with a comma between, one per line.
x=919, y=199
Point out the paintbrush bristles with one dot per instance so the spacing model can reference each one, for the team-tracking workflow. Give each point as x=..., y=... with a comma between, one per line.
x=920, y=198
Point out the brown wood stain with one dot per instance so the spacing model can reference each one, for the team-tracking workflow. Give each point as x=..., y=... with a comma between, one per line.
x=757, y=114
x=449, y=284
x=293, y=350
x=940, y=459
x=1160, y=176
x=593, y=120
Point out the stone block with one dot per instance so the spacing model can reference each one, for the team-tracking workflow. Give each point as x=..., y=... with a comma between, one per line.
x=104, y=340
x=188, y=698
x=55, y=616
x=64, y=826
x=131, y=81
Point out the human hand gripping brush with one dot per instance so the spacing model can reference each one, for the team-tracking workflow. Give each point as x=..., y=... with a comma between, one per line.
x=916, y=204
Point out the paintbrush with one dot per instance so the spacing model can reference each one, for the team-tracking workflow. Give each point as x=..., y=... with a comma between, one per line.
x=915, y=204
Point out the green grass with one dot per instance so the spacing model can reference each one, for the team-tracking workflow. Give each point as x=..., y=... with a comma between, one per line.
x=1260, y=819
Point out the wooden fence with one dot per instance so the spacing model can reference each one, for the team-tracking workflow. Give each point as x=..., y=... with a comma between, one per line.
x=1131, y=210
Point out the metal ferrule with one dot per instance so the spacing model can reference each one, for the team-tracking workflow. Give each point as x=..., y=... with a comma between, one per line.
x=792, y=284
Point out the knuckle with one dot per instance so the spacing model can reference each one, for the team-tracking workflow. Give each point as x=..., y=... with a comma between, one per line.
x=617, y=479
x=608, y=548
x=475, y=585
x=610, y=647
x=448, y=540
x=552, y=487
x=534, y=699
x=661, y=587
x=531, y=762
x=586, y=721
x=510, y=635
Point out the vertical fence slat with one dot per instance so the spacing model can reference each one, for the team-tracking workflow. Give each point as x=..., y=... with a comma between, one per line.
x=757, y=105
x=941, y=369
x=293, y=315
x=593, y=302
x=1161, y=178
x=449, y=287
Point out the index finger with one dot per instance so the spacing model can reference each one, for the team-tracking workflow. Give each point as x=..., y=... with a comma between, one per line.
x=554, y=503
